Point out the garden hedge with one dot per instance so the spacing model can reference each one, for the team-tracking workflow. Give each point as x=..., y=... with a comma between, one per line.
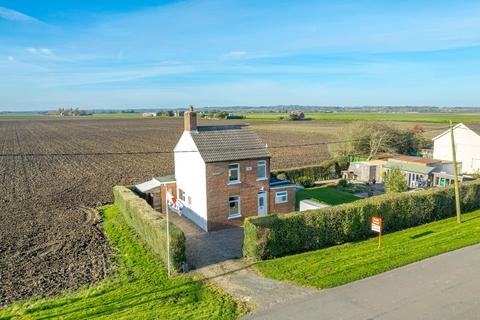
x=283, y=234
x=151, y=226
x=326, y=170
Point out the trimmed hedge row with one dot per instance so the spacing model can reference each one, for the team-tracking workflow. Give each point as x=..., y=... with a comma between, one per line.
x=151, y=227
x=324, y=171
x=283, y=234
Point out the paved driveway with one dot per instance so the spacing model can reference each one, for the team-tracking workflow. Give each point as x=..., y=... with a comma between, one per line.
x=208, y=248
x=442, y=287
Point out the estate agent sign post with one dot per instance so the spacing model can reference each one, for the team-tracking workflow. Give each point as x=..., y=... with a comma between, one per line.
x=376, y=223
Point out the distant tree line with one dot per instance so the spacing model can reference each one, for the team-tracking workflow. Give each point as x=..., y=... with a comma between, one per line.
x=212, y=114
x=72, y=112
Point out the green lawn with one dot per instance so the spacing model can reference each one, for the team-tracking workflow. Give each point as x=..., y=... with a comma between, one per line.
x=325, y=194
x=341, y=264
x=377, y=116
x=140, y=289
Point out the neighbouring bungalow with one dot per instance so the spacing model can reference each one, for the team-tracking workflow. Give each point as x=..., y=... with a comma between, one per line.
x=422, y=172
x=467, y=144
x=222, y=176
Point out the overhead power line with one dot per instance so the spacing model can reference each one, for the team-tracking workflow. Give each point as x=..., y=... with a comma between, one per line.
x=64, y=154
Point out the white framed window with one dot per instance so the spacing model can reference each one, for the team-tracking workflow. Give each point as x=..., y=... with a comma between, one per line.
x=281, y=197
x=261, y=170
x=234, y=207
x=181, y=194
x=233, y=173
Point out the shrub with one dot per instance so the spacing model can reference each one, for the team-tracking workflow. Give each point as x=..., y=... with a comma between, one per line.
x=395, y=181
x=151, y=227
x=342, y=183
x=306, y=181
x=282, y=234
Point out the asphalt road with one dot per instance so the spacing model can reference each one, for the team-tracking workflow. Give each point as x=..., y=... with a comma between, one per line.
x=442, y=287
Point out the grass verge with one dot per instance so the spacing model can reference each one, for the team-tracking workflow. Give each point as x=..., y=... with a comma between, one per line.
x=140, y=289
x=341, y=264
x=325, y=194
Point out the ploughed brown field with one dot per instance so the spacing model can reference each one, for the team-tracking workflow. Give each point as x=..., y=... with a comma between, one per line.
x=54, y=172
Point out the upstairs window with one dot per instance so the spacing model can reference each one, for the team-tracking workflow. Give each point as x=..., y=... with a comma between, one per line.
x=233, y=173
x=281, y=197
x=234, y=207
x=262, y=170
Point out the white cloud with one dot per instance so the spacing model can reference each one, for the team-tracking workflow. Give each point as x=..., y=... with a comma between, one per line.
x=12, y=15
x=32, y=50
x=11, y=58
x=40, y=51
x=235, y=55
x=46, y=51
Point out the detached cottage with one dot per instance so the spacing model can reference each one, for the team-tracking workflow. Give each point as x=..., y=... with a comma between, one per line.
x=222, y=175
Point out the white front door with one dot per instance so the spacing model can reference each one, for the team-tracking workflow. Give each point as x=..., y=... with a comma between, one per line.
x=262, y=203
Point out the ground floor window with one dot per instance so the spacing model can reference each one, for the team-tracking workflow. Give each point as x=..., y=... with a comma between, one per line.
x=181, y=194
x=234, y=207
x=281, y=197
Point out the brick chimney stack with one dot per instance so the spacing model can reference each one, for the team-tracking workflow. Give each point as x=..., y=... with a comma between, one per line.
x=190, y=120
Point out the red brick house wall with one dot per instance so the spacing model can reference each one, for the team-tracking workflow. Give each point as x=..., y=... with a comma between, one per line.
x=219, y=191
x=281, y=207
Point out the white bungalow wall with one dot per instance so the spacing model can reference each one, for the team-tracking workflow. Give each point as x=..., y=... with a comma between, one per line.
x=190, y=174
x=467, y=145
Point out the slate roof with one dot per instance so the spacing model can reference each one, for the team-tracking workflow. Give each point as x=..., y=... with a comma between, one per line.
x=228, y=143
x=278, y=183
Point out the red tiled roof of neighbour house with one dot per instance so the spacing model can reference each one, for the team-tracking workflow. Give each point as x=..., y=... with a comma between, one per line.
x=415, y=160
x=228, y=143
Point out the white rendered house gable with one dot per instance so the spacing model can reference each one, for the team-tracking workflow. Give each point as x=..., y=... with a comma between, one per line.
x=190, y=175
x=467, y=143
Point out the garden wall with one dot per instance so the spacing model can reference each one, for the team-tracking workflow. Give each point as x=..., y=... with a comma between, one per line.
x=283, y=234
x=151, y=227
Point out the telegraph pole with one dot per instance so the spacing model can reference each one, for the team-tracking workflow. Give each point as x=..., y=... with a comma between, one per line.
x=455, y=175
x=168, y=236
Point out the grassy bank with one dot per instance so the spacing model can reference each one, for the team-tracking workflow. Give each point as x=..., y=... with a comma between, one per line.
x=376, y=116
x=325, y=194
x=353, y=261
x=139, y=289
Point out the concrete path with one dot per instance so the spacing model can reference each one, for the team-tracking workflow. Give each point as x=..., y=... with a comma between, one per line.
x=239, y=280
x=216, y=256
x=442, y=287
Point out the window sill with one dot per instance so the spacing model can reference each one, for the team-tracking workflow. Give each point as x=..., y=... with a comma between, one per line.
x=235, y=216
x=234, y=182
x=262, y=179
x=281, y=202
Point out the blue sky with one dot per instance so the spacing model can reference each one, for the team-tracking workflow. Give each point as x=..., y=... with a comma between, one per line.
x=145, y=53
